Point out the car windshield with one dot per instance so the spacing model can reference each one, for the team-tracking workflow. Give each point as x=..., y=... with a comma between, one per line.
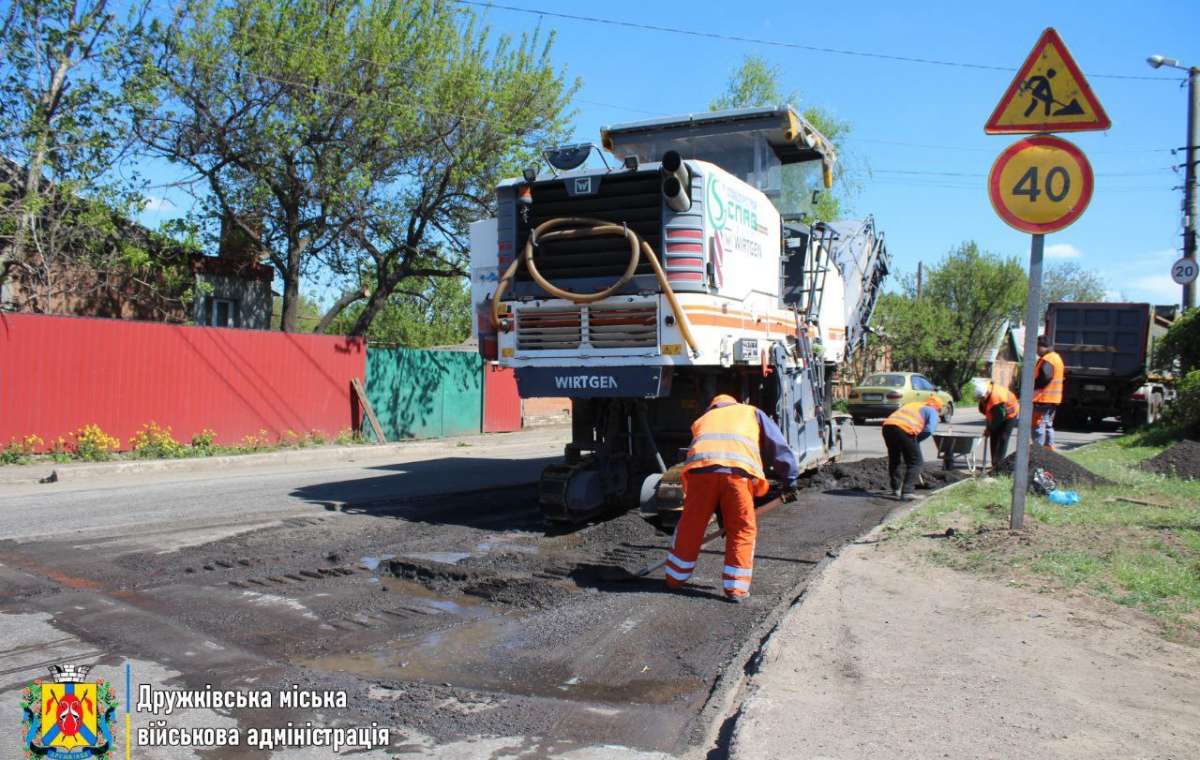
x=885, y=381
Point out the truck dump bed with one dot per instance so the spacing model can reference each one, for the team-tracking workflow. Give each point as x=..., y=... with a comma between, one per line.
x=1101, y=340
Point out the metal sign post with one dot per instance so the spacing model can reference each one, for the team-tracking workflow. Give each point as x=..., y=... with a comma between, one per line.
x=1040, y=184
x=1016, y=518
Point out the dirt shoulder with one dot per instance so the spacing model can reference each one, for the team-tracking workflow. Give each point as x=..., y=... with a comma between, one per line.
x=890, y=655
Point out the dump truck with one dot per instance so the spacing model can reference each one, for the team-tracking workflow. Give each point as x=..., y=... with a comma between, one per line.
x=1107, y=349
x=686, y=265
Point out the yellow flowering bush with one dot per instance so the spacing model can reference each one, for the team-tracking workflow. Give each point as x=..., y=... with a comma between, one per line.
x=92, y=444
x=204, y=440
x=18, y=451
x=154, y=442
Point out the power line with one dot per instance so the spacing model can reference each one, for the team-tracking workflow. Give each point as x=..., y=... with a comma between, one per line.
x=776, y=43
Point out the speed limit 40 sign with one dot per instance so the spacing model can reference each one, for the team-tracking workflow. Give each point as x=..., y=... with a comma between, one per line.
x=1040, y=184
x=1185, y=271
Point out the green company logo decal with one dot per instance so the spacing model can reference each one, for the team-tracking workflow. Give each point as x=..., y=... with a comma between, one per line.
x=714, y=203
x=725, y=205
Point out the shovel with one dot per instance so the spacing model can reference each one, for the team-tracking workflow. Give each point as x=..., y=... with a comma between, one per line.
x=623, y=575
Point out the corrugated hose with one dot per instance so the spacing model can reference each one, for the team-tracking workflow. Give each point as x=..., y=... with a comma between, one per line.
x=577, y=227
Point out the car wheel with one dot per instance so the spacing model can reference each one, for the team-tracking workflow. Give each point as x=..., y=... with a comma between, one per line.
x=860, y=420
x=947, y=411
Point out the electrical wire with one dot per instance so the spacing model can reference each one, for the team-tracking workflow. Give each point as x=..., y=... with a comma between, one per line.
x=776, y=43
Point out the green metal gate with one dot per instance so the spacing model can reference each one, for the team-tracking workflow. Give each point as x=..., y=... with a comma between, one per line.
x=418, y=393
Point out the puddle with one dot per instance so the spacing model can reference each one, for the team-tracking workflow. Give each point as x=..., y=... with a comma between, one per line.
x=499, y=542
x=406, y=587
x=446, y=558
x=373, y=563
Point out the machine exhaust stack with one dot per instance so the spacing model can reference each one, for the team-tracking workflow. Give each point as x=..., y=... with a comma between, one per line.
x=676, y=182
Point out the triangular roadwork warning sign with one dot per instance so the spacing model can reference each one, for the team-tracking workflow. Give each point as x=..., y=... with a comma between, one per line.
x=1049, y=94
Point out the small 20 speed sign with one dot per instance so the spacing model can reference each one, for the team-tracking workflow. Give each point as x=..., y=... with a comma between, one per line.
x=1185, y=271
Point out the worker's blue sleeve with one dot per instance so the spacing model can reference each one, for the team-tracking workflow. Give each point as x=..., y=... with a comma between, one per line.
x=776, y=454
x=929, y=414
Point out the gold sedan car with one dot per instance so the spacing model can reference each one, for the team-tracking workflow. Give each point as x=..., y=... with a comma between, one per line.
x=882, y=393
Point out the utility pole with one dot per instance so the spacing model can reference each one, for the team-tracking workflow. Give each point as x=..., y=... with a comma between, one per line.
x=1190, y=190
x=1189, y=182
x=920, y=266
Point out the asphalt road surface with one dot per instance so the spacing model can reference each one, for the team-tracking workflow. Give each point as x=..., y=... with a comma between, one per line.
x=425, y=587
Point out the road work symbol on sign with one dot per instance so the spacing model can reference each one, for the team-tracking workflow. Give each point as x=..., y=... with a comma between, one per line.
x=1040, y=184
x=1049, y=94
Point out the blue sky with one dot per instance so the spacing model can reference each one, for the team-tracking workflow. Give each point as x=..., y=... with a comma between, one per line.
x=912, y=117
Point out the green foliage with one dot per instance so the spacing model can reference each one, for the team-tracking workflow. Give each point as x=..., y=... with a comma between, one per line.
x=437, y=315
x=755, y=83
x=66, y=100
x=1135, y=555
x=948, y=332
x=1067, y=281
x=1185, y=412
x=1179, y=349
x=354, y=138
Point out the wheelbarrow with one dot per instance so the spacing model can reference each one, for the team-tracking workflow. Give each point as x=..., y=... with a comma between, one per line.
x=952, y=445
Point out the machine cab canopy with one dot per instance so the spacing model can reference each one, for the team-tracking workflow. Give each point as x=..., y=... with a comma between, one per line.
x=774, y=150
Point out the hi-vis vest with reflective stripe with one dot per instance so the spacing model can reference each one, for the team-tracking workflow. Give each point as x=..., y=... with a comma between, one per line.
x=728, y=437
x=1052, y=393
x=1003, y=396
x=908, y=418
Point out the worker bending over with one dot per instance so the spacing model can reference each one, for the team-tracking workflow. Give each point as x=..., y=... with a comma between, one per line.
x=1048, y=376
x=903, y=432
x=724, y=468
x=1000, y=408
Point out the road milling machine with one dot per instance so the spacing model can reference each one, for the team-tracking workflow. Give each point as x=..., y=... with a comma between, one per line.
x=681, y=269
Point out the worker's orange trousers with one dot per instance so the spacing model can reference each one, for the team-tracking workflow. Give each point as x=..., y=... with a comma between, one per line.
x=703, y=492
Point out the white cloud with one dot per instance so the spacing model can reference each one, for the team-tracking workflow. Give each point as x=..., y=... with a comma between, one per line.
x=1062, y=251
x=162, y=204
x=1155, y=288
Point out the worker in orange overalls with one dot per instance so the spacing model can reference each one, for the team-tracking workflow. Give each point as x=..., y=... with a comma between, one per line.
x=903, y=431
x=724, y=467
x=1000, y=409
x=1049, y=374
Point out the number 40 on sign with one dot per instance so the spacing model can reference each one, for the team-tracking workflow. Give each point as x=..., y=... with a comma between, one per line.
x=1040, y=184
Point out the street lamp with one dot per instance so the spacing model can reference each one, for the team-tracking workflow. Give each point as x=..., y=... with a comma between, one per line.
x=1190, y=192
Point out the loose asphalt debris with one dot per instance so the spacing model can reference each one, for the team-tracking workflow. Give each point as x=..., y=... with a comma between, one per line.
x=872, y=475
x=462, y=615
x=1179, y=461
x=1065, y=472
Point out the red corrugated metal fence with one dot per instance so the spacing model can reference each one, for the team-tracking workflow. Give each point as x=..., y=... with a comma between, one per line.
x=501, y=403
x=60, y=373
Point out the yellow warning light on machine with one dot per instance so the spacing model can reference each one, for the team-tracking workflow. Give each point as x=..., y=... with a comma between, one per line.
x=672, y=349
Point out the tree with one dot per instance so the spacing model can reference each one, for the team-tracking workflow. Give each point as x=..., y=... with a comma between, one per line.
x=950, y=329
x=436, y=312
x=348, y=138
x=66, y=95
x=1068, y=281
x=755, y=84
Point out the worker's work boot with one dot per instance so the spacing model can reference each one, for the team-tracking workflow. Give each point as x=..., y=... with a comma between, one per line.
x=737, y=598
x=908, y=497
x=898, y=494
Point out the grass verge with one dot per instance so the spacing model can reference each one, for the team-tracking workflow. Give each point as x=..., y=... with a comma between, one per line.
x=1138, y=555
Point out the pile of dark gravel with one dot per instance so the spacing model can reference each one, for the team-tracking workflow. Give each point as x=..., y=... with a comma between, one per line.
x=1180, y=461
x=872, y=475
x=1065, y=471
